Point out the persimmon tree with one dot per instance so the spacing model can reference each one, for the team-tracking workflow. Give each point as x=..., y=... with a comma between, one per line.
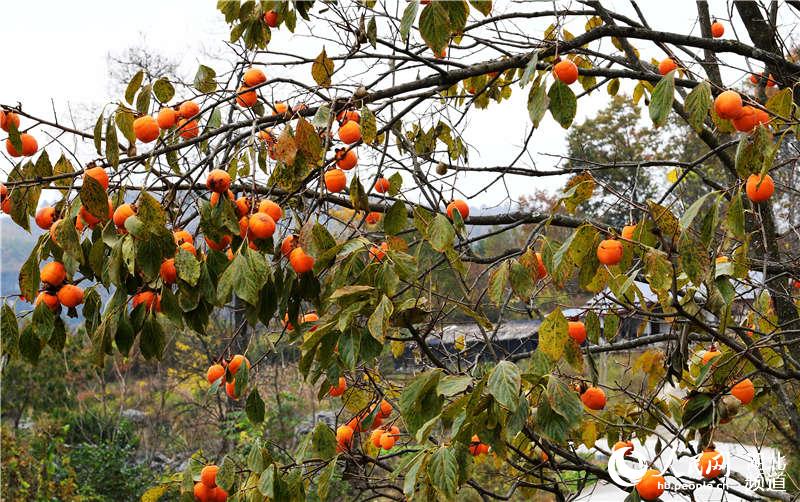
x=329, y=201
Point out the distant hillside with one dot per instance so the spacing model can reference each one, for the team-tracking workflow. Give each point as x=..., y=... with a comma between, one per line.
x=15, y=246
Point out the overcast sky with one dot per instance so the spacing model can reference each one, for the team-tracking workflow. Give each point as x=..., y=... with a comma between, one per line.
x=59, y=61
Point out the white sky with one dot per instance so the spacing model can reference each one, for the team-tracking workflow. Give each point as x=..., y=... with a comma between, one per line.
x=63, y=56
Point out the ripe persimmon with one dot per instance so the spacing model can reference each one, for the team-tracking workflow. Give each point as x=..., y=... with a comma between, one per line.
x=219, y=245
x=346, y=159
x=651, y=486
x=70, y=295
x=382, y=185
x=29, y=146
x=45, y=217
x=244, y=224
x=717, y=29
x=541, y=271
x=594, y=398
x=166, y=118
x=609, y=252
x=236, y=363
x=300, y=261
x=214, y=199
x=188, y=128
x=280, y=108
x=375, y=437
x=565, y=71
x=344, y=435
x=99, y=174
x=759, y=189
x=246, y=97
x=92, y=220
x=271, y=208
x=577, y=331
x=261, y=226
x=627, y=445
x=122, y=213
x=387, y=441
x=749, y=118
x=711, y=464
x=6, y=206
x=709, y=354
x=288, y=244
x=744, y=391
x=460, y=206
x=242, y=206
x=378, y=253
x=627, y=231
x=215, y=372
x=345, y=116
x=168, y=272
x=271, y=18
x=182, y=236
x=49, y=299
x=189, y=247
x=253, y=77
x=202, y=493
x=335, y=180
x=728, y=105
x=339, y=389
x=149, y=299
x=373, y=217
x=146, y=129
x=8, y=118
x=208, y=475
x=386, y=408
x=188, y=109
x=666, y=66
x=218, y=181
x=53, y=274
x=3, y=192
x=350, y=132
x=230, y=390
x=218, y=494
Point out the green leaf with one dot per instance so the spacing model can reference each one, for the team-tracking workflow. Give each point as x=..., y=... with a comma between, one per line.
x=521, y=281
x=441, y=233
x=372, y=33
x=563, y=103
x=563, y=400
x=395, y=183
x=457, y=11
x=695, y=260
x=323, y=441
x=14, y=137
x=254, y=407
x=30, y=346
x=152, y=340
x=527, y=75
x=443, y=472
x=482, y=6
x=396, y=218
x=697, y=105
x=613, y=87
x=698, y=412
x=133, y=86
x=504, y=384
x=610, y=326
x=369, y=128
x=666, y=222
x=379, y=319
x=69, y=240
x=226, y=473
x=98, y=134
x=553, y=335
x=29, y=276
x=143, y=100
x=661, y=101
x=9, y=327
x=420, y=401
x=187, y=266
x=112, y=147
x=434, y=26
x=322, y=69
x=266, y=482
x=450, y=385
x=94, y=198
x=204, y=79
x=322, y=117
x=538, y=102
x=689, y=215
x=735, y=219
x=324, y=480
x=409, y=15
x=163, y=90
x=124, y=119
x=497, y=282
x=781, y=104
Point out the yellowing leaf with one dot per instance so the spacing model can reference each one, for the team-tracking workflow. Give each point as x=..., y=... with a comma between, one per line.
x=322, y=69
